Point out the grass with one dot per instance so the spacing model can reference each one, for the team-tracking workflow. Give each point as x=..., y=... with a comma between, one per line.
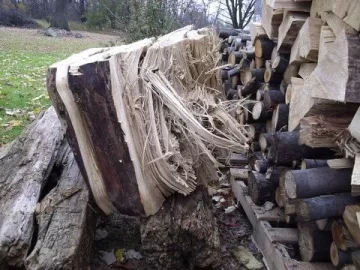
x=24, y=58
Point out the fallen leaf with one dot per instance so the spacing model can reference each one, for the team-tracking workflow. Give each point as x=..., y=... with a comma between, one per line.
x=245, y=257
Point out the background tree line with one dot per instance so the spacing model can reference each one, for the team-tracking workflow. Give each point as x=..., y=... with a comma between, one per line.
x=137, y=18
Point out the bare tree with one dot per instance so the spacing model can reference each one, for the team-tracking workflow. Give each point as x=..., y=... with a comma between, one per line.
x=239, y=12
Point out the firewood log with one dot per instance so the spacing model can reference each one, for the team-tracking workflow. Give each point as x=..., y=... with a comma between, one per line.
x=279, y=120
x=256, y=31
x=248, y=74
x=306, y=69
x=259, y=63
x=250, y=88
x=260, y=95
x=339, y=257
x=348, y=11
x=271, y=19
x=280, y=64
x=313, y=163
x=354, y=125
x=355, y=177
x=351, y=218
x=342, y=237
x=263, y=48
x=261, y=165
x=355, y=256
x=314, y=244
x=272, y=77
x=289, y=29
x=260, y=112
x=317, y=181
x=327, y=206
x=260, y=189
x=272, y=98
x=235, y=57
x=257, y=129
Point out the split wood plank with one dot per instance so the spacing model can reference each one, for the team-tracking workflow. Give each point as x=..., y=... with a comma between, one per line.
x=355, y=178
x=271, y=20
x=349, y=11
x=306, y=45
x=306, y=69
x=256, y=31
x=289, y=29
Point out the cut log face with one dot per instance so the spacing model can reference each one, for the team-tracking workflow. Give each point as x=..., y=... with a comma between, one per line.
x=355, y=177
x=24, y=171
x=317, y=181
x=280, y=64
x=354, y=127
x=260, y=112
x=263, y=48
x=66, y=221
x=280, y=118
x=339, y=257
x=272, y=98
x=314, y=244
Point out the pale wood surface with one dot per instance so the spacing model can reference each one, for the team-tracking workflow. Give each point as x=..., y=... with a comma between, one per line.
x=351, y=221
x=349, y=11
x=306, y=69
x=354, y=126
x=355, y=178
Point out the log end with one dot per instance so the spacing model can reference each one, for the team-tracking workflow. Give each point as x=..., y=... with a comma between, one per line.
x=290, y=185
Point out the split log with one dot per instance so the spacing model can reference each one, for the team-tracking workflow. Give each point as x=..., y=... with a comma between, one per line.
x=290, y=72
x=313, y=163
x=354, y=126
x=248, y=74
x=351, y=219
x=280, y=64
x=319, y=7
x=260, y=112
x=260, y=189
x=279, y=120
x=342, y=237
x=272, y=77
x=189, y=220
x=66, y=220
x=339, y=257
x=263, y=48
x=271, y=19
x=306, y=69
x=348, y=11
x=303, y=104
x=306, y=45
x=256, y=31
x=272, y=98
x=314, y=244
x=289, y=29
x=327, y=206
x=327, y=37
x=317, y=181
x=355, y=256
x=25, y=169
x=344, y=83
x=321, y=130
x=285, y=148
x=355, y=178
x=289, y=5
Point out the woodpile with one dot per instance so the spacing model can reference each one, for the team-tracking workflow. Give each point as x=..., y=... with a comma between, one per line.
x=305, y=113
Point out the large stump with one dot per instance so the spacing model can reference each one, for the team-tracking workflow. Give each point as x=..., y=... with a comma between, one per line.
x=183, y=234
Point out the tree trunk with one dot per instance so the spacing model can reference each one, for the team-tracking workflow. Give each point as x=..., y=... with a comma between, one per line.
x=25, y=168
x=183, y=234
x=60, y=19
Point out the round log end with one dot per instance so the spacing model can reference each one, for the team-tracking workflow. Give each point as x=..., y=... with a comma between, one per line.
x=278, y=197
x=334, y=254
x=258, y=48
x=290, y=185
x=259, y=95
x=302, y=211
x=257, y=109
x=232, y=60
x=306, y=242
x=245, y=76
x=263, y=142
x=267, y=75
x=276, y=62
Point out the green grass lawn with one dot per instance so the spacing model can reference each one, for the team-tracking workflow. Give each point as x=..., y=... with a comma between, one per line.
x=24, y=58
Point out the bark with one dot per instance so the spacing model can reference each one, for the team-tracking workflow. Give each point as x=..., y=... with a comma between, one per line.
x=66, y=220
x=327, y=206
x=182, y=235
x=24, y=171
x=260, y=189
x=317, y=181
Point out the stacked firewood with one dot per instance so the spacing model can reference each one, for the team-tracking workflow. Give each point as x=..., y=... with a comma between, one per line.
x=300, y=81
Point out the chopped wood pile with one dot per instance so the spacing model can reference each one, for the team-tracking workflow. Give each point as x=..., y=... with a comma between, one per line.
x=298, y=79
